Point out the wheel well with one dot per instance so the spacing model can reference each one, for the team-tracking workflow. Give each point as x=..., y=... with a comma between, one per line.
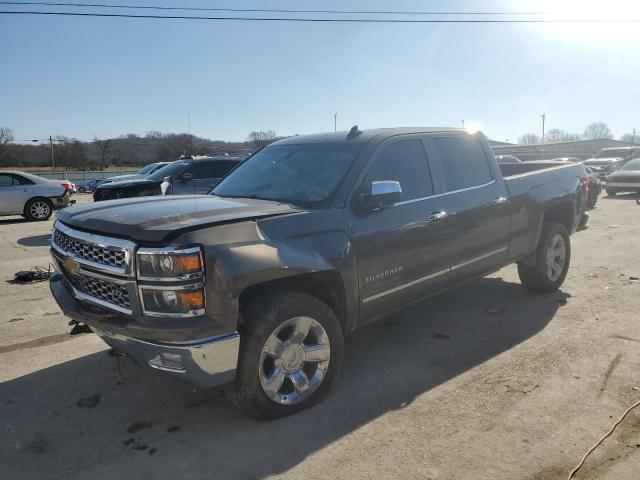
x=326, y=286
x=561, y=213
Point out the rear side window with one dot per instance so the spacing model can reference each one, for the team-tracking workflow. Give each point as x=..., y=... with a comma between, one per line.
x=463, y=161
x=406, y=163
x=6, y=180
x=215, y=169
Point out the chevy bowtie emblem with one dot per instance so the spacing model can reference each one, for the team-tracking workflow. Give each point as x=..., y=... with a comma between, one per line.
x=71, y=265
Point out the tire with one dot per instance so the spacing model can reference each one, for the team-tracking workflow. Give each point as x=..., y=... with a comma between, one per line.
x=548, y=272
x=82, y=190
x=611, y=192
x=270, y=323
x=38, y=209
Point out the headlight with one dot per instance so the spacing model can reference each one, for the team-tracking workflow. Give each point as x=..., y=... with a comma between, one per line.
x=169, y=301
x=170, y=263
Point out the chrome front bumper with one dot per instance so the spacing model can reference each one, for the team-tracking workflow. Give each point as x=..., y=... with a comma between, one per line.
x=204, y=363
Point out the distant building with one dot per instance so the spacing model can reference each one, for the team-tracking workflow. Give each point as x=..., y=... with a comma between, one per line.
x=581, y=148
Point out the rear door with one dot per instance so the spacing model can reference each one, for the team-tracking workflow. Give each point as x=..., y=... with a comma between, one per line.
x=401, y=250
x=476, y=199
x=13, y=194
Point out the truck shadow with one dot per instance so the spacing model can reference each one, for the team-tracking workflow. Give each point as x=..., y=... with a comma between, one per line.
x=35, y=240
x=82, y=418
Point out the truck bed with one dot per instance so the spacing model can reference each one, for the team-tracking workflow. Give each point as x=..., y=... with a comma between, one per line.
x=533, y=186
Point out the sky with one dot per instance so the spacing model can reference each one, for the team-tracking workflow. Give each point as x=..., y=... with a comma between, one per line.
x=86, y=77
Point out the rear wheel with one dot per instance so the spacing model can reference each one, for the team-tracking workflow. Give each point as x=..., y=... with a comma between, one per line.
x=553, y=255
x=290, y=355
x=611, y=192
x=38, y=209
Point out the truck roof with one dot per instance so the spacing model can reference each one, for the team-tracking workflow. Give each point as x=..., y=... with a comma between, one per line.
x=363, y=137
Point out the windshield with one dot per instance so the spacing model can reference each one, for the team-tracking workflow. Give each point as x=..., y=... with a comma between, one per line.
x=300, y=174
x=632, y=165
x=171, y=170
x=146, y=169
x=612, y=152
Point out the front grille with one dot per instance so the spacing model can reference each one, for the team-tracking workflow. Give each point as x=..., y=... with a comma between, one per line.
x=113, y=257
x=101, y=289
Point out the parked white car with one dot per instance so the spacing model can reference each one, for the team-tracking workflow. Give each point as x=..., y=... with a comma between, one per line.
x=31, y=196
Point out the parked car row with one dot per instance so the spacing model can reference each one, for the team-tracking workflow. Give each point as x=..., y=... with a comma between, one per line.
x=183, y=177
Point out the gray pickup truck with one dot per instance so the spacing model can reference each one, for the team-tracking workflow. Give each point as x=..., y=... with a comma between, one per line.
x=255, y=286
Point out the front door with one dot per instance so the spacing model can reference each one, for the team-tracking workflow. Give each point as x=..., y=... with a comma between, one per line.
x=401, y=250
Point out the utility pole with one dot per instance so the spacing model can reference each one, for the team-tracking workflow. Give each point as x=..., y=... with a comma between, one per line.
x=462, y=123
x=543, y=116
x=53, y=165
x=335, y=122
x=633, y=137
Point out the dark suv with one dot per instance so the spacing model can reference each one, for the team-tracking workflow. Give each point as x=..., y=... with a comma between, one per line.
x=183, y=177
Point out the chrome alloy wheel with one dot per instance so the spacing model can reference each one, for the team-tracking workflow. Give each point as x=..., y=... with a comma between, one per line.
x=40, y=210
x=294, y=360
x=556, y=256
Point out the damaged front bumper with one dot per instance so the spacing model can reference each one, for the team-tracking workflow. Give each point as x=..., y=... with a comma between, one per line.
x=205, y=362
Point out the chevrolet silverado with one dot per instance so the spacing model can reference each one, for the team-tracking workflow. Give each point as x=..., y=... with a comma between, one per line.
x=255, y=286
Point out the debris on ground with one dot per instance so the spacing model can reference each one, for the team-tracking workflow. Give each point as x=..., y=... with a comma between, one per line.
x=529, y=390
x=35, y=274
x=80, y=328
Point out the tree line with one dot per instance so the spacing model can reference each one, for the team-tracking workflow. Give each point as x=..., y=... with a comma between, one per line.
x=131, y=150
x=593, y=131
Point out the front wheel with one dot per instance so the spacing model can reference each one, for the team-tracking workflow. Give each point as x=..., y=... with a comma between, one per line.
x=291, y=348
x=551, y=260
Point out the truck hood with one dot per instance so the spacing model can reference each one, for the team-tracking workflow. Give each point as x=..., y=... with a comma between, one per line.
x=128, y=183
x=152, y=220
x=121, y=178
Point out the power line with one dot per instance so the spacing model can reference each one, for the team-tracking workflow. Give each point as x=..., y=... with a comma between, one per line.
x=315, y=20
x=264, y=10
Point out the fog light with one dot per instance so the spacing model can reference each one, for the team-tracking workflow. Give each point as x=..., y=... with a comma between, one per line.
x=172, y=360
x=168, y=361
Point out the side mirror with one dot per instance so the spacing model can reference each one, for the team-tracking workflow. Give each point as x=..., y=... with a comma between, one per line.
x=186, y=176
x=381, y=194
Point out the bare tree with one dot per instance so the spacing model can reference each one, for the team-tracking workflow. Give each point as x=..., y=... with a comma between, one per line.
x=104, y=146
x=631, y=137
x=529, y=139
x=76, y=155
x=261, y=138
x=6, y=137
x=597, y=130
x=556, y=135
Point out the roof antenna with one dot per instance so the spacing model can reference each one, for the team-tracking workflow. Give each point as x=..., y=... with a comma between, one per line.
x=354, y=132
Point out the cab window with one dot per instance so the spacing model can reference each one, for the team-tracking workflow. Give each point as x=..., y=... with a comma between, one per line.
x=405, y=162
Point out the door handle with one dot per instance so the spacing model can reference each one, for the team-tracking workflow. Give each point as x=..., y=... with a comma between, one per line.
x=437, y=216
x=498, y=201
